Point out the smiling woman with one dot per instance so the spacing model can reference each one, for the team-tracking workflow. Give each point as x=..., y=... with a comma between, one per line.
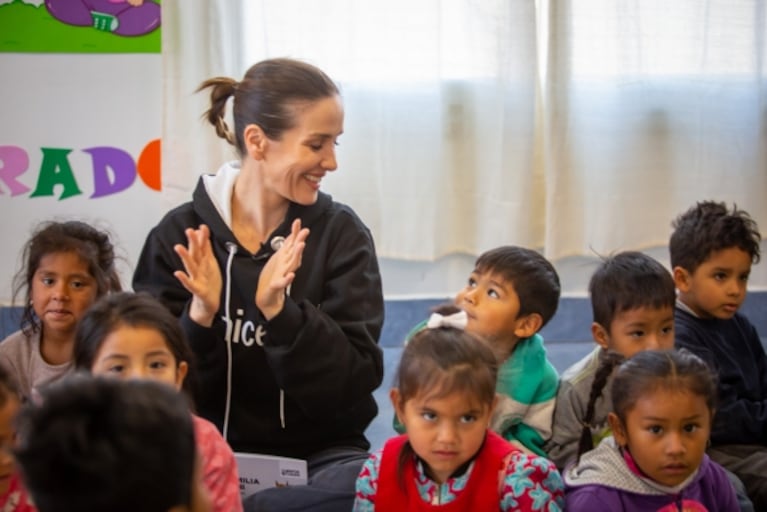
x=277, y=285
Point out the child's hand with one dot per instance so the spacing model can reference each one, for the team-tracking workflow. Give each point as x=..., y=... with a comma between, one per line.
x=280, y=271
x=201, y=275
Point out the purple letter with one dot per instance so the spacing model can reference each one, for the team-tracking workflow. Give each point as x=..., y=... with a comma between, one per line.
x=123, y=170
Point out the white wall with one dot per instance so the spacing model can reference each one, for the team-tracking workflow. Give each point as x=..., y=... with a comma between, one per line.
x=76, y=102
x=443, y=278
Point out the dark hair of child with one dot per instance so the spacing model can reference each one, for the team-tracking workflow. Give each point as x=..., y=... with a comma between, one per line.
x=673, y=370
x=534, y=278
x=624, y=281
x=134, y=310
x=442, y=361
x=711, y=226
x=629, y=280
x=96, y=444
x=90, y=244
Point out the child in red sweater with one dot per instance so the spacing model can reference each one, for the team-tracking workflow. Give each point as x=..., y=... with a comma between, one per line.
x=12, y=495
x=448, y=457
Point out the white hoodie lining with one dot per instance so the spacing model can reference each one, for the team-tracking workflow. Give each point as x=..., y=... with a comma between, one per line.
x=220, y=187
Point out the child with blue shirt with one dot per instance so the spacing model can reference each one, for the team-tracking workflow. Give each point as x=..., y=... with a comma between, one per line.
x=712, y=249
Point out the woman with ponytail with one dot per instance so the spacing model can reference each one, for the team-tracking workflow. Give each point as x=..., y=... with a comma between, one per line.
x=277, y=286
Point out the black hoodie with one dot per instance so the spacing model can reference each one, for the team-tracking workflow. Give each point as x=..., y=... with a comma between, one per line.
x=302, y=381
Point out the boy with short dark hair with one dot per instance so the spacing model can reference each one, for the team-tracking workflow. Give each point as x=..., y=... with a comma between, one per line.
x=712, y=249
x=97, y=444
x=510, y=295
x=632, y=302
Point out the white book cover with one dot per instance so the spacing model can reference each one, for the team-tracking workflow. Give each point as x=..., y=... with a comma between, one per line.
x=257, y=471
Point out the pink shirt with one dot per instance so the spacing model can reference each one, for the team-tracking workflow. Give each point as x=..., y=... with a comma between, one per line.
x=219, y=467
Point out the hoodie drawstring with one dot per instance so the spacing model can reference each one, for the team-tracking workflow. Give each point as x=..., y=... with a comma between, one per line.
x=282, y=393
x=232, y=248
x=276, y=244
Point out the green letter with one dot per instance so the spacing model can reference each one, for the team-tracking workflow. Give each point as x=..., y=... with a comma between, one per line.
x=55, y=170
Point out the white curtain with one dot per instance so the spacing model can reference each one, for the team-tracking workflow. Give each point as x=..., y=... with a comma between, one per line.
x=200, y=39
x=571, y=126
x=651, y=105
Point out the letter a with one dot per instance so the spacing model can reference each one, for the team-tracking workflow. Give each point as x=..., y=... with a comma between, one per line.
x=55, y=170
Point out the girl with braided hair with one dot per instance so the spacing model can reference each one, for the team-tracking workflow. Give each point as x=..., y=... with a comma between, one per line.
x=632, y=299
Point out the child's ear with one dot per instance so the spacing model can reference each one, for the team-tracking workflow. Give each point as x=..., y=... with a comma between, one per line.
x=681, y=279
x=256, y=141
x=181, y=372
x=619, y=433
x=396, y=401
x=528, y=325
x=493, y=405
x=600, y=335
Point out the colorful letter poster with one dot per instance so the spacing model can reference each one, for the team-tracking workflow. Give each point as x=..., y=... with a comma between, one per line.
x=80, y=84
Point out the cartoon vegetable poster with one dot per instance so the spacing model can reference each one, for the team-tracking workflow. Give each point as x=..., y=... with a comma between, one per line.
x=80, y=26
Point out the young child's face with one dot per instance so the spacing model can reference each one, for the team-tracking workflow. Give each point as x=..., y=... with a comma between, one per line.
x=666, y=432
x=638, y=329
x=492, y=307
x=137, y=352
x=7, y=439
x=717, y=288
x=445, y=432
x=61, y=290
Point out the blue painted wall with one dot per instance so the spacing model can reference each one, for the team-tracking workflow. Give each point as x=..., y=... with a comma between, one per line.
x=572, y=323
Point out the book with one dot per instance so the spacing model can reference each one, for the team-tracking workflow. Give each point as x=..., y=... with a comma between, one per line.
x=257, y=471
